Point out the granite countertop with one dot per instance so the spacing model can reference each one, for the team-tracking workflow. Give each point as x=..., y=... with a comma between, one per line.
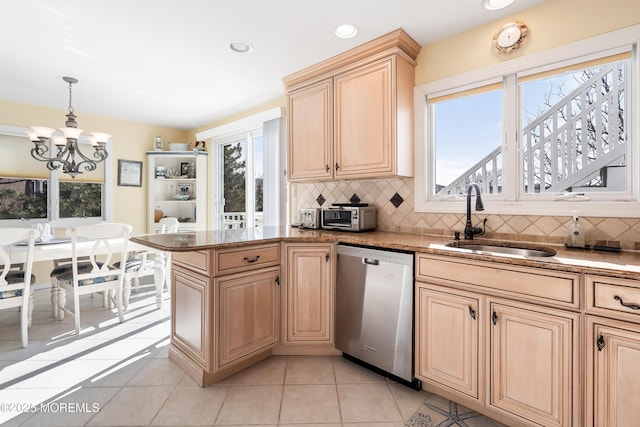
x=624, y=264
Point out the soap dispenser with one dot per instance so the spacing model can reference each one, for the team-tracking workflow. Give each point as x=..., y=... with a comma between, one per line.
x=576, y=234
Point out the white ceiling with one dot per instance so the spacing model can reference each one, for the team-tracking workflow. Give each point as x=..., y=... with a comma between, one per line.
x=167, y=62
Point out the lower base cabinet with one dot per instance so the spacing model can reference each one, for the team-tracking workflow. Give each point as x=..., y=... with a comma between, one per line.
x=225, y=309
x=512, y=360
x=308, y=293
x=248, y=315
x=613, y=373
x=448, y=336
x=532, y=371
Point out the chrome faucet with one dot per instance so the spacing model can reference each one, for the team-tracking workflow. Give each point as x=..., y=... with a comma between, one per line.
x=469, y=229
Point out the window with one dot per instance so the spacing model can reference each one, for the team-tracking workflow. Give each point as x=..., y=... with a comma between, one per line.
x=537, y=134
x=246, y=185
x=29, y=191
x=469, y=153
x=574, y=135
x=241, y=182
x=23, y=198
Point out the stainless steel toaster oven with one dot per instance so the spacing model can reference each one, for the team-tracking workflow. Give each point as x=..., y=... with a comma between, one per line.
x=348, y=218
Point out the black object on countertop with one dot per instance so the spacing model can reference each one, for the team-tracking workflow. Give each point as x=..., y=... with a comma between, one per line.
x=595, y=248
x=356, y=205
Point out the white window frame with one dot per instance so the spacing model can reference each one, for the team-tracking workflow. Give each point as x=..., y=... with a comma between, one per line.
x=53, y=207
x=275, y=197
x=512, y=200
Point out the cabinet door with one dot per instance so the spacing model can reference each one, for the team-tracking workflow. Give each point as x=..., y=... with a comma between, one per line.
x=309, y=295
x=364, y=121
x=613, y=373
x=310, y=122
x=248, y=315
x=531, y=362
x=447, y=332
x=191, y=320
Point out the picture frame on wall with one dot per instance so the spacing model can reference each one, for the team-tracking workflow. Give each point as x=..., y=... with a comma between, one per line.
x=129, y=173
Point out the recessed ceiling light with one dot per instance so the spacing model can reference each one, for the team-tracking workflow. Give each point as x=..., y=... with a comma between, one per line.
x=496, y=4
x=240, y=47
x=346, y=31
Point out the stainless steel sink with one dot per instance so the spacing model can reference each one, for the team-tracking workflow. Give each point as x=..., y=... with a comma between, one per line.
x=503, y=249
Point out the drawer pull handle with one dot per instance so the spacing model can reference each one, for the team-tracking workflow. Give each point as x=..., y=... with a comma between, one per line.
x=472, y=312
x=252, y=260
x=628, y=305
x=600, y=343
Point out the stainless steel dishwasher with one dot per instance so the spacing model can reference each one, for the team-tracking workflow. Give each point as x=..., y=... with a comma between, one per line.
x=374, y=309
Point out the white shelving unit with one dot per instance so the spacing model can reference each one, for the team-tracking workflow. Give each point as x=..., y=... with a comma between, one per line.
x=183, y=197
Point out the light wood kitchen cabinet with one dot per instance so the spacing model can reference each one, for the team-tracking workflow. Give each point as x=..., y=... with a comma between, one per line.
x=351, y=116
x=448, y=336
x=308, y=293
x=191, y=314
x=225, y=309
x=525, y=349
x=310, y=126
x=532, y=361
x=371, y=121
x=248, y=314
x=613, y=373
x=613, y=351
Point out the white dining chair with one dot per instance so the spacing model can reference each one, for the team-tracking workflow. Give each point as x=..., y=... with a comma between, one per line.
x=15, y=285
x=102, y=277
x=62, y=266
x=146, y=263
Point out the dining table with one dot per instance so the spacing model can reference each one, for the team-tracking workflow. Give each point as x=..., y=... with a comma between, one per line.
x=59, y=248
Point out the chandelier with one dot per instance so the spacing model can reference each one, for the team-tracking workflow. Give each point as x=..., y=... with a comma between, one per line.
x=69, y=156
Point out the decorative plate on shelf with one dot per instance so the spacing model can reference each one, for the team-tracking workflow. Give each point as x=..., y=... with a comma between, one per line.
x=181, y=197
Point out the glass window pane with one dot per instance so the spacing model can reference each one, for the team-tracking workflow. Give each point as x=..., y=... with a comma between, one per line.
x=80, y=199
x=574, y=135
x=258, y=176
x=23, y=198
x=234, y=181
x=467, y=131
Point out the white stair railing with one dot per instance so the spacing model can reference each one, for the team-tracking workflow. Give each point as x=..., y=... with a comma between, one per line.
x=572, y=142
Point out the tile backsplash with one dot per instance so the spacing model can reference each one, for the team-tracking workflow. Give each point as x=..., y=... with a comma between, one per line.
x=394, y=201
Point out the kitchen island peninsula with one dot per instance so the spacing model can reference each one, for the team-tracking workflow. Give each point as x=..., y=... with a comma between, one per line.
x=240, y=295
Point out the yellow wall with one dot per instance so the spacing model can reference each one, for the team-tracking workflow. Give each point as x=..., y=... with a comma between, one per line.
x=280, y=102
x=130, y=141
x=551, y=24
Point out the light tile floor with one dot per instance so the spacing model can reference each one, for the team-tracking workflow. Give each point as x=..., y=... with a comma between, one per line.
x=116, y=374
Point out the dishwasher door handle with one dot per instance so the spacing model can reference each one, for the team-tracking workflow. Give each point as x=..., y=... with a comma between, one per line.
x=370, y=261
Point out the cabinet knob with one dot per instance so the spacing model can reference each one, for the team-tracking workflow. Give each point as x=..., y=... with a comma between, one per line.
x=600, y=342
x=326, y=167
x=337, y=166
x=472, y=313
x=494, y=318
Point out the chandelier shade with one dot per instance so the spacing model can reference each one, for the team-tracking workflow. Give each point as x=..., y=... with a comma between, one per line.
x=69, y=157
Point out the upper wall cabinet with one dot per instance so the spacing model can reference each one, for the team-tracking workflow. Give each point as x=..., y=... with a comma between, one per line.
x=351, y=116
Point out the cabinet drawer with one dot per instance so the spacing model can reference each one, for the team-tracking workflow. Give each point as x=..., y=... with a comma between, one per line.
x=526, y=283
x=246, y=258
x=613, y=297
x=198, y=261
